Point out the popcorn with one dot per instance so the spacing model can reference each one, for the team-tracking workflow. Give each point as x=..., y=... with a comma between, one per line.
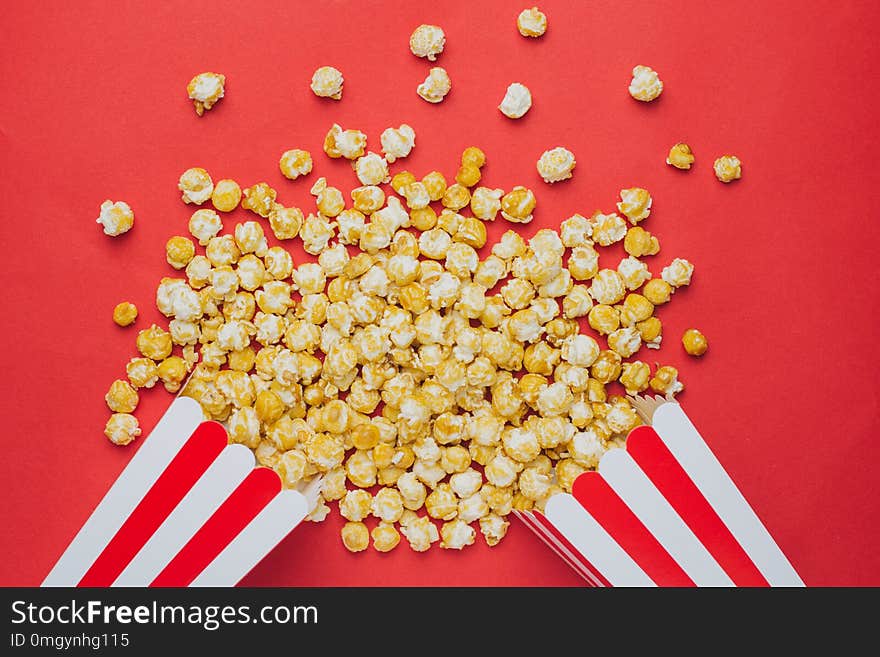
x=608, y=287
x=493, y=528
x=517, y=205
x=639, y=242
x=204, y=225
x=657, y=291
x=121, y=397
x=116, y=218
x=355, y=536
x=385, y=537
x=608, y=228
x=680, y=156
x=427, y=41
x=665, y=381
x=295, y=163
x=125, y=313
x=556, y=165
x=122, y=428
x=678, y=273
x=531, y=22
x=436, y=85
x=226, y=195
x=646, y=84
x=205, y=90
x=397, y=143
x=635, y=377
x=635, y=204
x=196, y=185
x=327, y=83
x=179, y=251
x=694, y=342
x=420, y=533
x=728, y=168
x=633, y=272
x=260, y=199
x=517, y=101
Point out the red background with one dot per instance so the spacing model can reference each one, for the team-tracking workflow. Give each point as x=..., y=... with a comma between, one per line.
x=93, y=106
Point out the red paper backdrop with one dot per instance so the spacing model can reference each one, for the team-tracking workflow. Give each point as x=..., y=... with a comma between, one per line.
x=93, y=106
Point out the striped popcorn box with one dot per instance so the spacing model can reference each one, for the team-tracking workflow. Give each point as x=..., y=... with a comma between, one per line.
x=662, y=512
x=189, y=510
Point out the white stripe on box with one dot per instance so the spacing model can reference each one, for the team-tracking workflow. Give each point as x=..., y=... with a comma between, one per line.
x=227, y=471
x=284, y=512
x=575, y=561
x=592, y=540
x=701, y=465
x=158, y=450
x=627, y=479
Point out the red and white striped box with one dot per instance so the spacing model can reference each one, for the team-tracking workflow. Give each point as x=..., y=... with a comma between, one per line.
x=662, y=512
x=189, y=510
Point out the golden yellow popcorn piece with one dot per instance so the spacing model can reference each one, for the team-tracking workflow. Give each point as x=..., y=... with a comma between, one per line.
x=427, y=41
x=295, y=163
x=172, y=371
x=125, y=313
x=179, y=251
x=678, y=273
x=122, y=428
x=608, y=229
x=607, y=287
x=355, y=536
x=385, y=537
x=397, y=143
x=517, y=205
x=517, y=101
x=493, y=528
x=349, y=144
x=531, y=22
x=456, y=535
x=646, y=84
x=639, y=242
x=694, y=342
x=556, y=164
x=116, y=218
x=657, y=291
x=226, y=195
x=327, y=82
x=204, y=225
x=142, y=372
x=154, y=343
x=635, y=204
x=436, y=85
x=121, y=397
x=680, y=156
x=728, y=168
x=196, y=185
x=285, y=222
x=650, y=330
x=468, y=175
x=633, y=272
x=635, y=376
x=665, y=381
x=205, y=90
x=473, y=156
x=420, y=533
x=372, y=169
x=260, y=199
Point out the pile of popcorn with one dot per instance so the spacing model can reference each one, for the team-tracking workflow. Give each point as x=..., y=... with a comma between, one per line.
x=420, y=373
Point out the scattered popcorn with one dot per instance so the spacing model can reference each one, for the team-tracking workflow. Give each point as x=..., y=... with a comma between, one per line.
x=436, y=85
x=226, y=195
x=635, y=204
x=556, y=165
x=295, y=163
x=196, y=185
x=205, y=90
x=327, y=83
x=531, y=22
x=125, y=313
x=728, y=168
x=427, y=41
x=645, y=85
x=490, y=401
x=122, y=428
x=694, y=342
x=517, y=101
x=680, y=156
x=397, y=143
x=678, y=273
x=355, y=536
x=116, y=218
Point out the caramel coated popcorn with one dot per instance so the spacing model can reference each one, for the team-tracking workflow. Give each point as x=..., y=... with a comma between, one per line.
x=205, y=90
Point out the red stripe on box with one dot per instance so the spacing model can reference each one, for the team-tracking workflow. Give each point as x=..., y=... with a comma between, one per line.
x=600, y=500
x=199, y=451
x=557, y=541
x=661, y=467
x=246, y=501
